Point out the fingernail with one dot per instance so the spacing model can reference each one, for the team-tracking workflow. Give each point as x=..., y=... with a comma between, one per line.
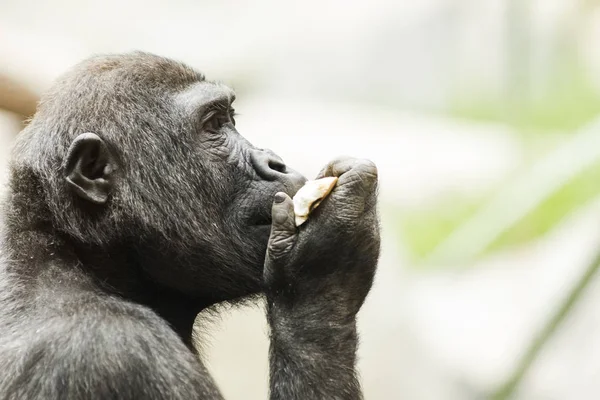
x=279, y=197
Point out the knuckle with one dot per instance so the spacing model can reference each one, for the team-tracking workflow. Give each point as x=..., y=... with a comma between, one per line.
x=340, y=165
x=368, y=168
x=363, y=174
x=280, y=246
x=355, y=179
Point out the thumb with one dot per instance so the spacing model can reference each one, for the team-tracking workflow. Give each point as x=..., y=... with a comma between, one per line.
x=283, y=227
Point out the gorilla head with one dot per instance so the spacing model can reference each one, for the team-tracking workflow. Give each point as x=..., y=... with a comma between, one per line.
x=136, y=159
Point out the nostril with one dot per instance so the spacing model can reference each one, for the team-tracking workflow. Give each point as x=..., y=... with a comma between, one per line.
x=268, y=165
x=277, y=165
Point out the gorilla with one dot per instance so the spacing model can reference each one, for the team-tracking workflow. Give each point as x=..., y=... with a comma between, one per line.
x=134, y=204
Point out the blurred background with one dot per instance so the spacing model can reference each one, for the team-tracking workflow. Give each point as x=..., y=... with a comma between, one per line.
x=482, y=116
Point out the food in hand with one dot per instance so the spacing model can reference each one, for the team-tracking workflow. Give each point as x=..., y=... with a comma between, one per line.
x=310, y=196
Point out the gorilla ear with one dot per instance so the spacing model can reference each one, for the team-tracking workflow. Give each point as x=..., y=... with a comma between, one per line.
x=89, y=168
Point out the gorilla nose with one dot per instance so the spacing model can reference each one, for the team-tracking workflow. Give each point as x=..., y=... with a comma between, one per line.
x=271, y=167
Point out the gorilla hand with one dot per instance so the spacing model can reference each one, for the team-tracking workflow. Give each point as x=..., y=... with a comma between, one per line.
x=316, y=279
x=332, y=258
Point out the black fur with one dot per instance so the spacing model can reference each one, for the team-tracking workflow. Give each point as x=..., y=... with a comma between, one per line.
x=133, y=205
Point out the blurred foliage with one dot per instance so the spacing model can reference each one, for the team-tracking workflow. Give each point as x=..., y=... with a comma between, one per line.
x=576, y=193
x=423, y=229
x=568, y=103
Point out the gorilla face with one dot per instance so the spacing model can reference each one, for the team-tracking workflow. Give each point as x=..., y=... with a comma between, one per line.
x=155, y=172
x=225, y=188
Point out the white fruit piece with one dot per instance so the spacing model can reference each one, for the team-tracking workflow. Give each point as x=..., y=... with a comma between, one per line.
x=310, y=196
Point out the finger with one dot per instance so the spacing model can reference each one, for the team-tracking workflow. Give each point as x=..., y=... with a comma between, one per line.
x=354, y=194
x=336, y=167
x=352, y=170
x=357, y=180
x=283, y=228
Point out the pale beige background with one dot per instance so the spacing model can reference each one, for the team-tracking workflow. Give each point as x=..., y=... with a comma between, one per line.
x=316, y=72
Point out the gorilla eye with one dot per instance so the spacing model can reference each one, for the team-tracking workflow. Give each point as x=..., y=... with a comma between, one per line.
x=215, y=119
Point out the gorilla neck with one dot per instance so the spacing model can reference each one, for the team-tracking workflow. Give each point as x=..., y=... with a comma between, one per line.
x=38, y=256
x=118, y=272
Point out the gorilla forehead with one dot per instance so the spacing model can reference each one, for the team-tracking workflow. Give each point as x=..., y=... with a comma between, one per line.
x=200, y=95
